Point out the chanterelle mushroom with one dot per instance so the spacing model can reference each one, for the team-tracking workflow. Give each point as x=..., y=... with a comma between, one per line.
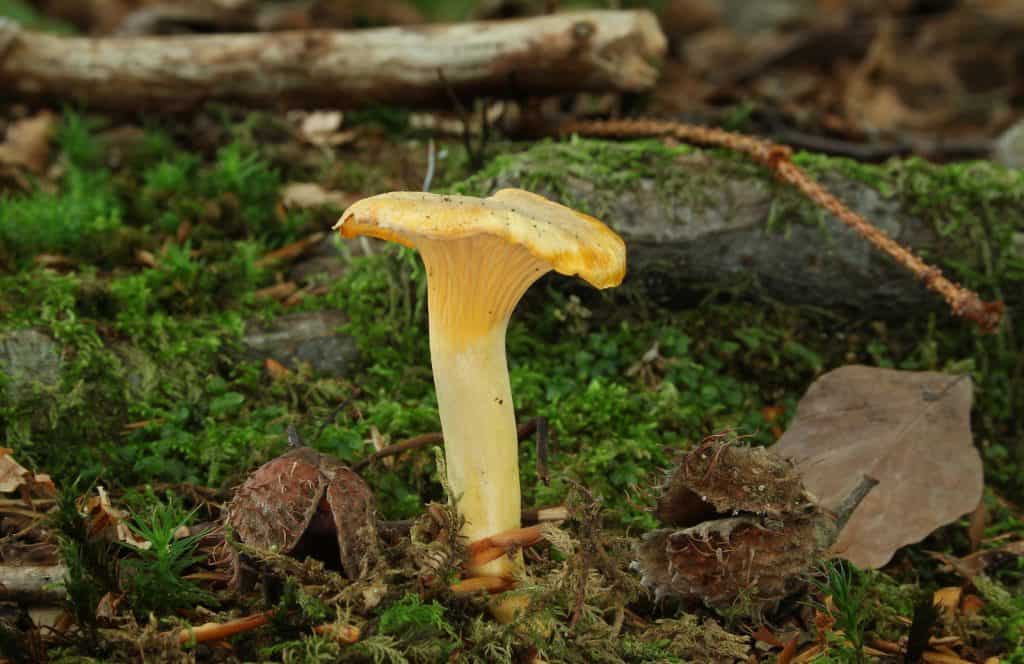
x=481, y=254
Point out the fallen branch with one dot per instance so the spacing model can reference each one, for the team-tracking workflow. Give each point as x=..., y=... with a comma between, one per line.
x=555, y=54
x=776, y=158
x=32, y=584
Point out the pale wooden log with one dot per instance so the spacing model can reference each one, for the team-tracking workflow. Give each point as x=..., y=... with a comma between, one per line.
x=595, y=51
x=32, y=584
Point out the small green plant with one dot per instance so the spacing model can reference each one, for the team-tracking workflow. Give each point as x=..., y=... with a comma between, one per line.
x=843, y=583
x=154, y=579
x=1003, y=616
x=419, y=629
x=90, y=562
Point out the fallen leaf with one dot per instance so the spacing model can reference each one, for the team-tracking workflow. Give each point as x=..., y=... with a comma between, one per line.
x=345, y=634
x=275, y=369
x=107, y=607
x=765, y=635
x=279, y=291
x=146, y=258
x=971, y=605
x=910, y=431
x=888, y=647
x=291, y=251
x=933, y=657
x=43, y=486
x=27, y=142
x=54, y=260
x=974, y=564
x=184, y=230
x=103, y=520
x=324, y=128
x=379, y=443
x=947, y=598
x=12, y=474
x=310, y=194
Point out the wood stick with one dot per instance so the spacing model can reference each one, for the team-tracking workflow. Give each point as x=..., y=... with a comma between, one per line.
x=32, y=584
x=554, y=54
x=542, y=514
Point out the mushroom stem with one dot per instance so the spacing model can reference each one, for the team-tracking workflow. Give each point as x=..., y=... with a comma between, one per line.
x=474, y=398
x=473, y=285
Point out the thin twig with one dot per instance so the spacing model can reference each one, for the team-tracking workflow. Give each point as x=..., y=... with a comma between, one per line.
x=542, y=451
x=474, y=152
x=778, y=159
x=525, y=429
x=431, y=164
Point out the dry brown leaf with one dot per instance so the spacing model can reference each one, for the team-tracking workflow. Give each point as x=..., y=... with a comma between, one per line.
x=324, y=128
x=27, y=143
x=12, y=474
x=971, y=605
x=54, y=260
x=279, y=291
x=309, y=194
x=765, y=635
x=291, y=251
x=103, y=520
x=275, y=369
x=934, y=657
x=909, y=430
x=974, y=564
x=948, y=598
x=146, y=258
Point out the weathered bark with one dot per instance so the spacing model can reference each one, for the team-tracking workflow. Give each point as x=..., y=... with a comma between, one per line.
x=697, y=221
x=596, y=50
x=32, y=584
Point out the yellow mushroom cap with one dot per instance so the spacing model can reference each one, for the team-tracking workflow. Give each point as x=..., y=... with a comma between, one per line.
x=571, y=242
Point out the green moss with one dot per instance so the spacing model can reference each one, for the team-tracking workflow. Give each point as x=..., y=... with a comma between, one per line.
x=611, y=167
x=624, y=389
x=27, y=16
x=83, y=220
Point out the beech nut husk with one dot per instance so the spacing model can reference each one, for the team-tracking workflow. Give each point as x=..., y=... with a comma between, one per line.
x=308, y=504
x=741, y=531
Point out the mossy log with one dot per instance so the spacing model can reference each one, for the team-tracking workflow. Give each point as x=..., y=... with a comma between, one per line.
x=595, y=51
x=696, y=221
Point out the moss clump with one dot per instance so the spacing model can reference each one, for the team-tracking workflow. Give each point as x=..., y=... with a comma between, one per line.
x=975, y=210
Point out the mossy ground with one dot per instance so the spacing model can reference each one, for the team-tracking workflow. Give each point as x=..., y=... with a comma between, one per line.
x=155, y=387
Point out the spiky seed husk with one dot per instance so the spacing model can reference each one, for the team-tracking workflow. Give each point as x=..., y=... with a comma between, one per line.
x=303, y=493
x=744, y=532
